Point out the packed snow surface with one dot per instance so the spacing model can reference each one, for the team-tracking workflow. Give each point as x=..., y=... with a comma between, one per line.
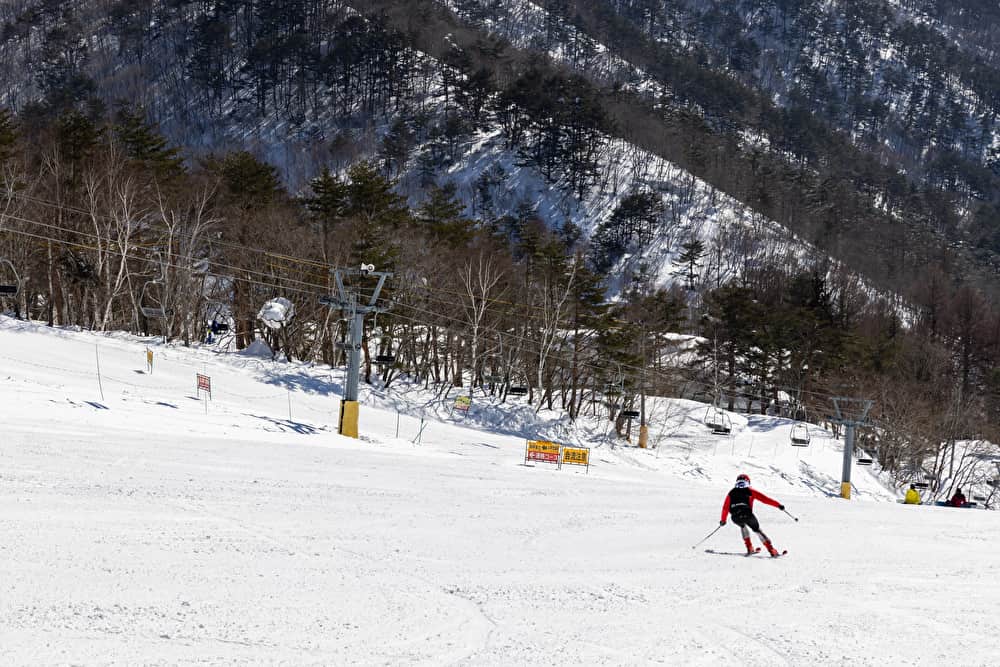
x=155, y=526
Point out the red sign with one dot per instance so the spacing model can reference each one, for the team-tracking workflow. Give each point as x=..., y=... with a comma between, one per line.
x=204, y=382
x=541, y=450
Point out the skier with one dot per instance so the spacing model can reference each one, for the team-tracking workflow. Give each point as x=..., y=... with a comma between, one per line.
x=912, y=496
x=958, y=500
x=740, y=502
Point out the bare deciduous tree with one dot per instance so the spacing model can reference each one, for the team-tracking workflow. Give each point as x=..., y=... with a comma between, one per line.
x=480, y=282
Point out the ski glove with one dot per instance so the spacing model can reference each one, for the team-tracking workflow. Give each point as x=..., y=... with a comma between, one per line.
x=781, y=507
x=722, y=523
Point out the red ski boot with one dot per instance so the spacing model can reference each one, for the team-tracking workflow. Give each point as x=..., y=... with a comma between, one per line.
x=750, y=548
x=771, y=550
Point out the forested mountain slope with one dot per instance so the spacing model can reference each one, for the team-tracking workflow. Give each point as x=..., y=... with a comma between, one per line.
x=809, y=102
x=558, y=187
x=851, y=126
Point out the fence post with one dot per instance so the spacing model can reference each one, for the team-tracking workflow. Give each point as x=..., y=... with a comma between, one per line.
x=97, y=354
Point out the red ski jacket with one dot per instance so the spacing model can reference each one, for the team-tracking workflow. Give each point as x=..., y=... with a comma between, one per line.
x=745, y=497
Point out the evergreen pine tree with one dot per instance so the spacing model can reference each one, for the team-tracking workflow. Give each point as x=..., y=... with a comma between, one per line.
x=376, y=212
x=730, y=324
x=396, y=146
x=143, y=143
x=689, y=261
x=329, y=196
x=630, y=227
x=249, y=182
x=441, y=216
x=327, y=206
x=77, y=137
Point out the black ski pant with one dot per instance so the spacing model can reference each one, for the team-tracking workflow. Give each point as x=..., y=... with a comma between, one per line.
x=747, y=522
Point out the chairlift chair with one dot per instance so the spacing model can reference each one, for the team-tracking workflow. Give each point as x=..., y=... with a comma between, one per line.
x=713, y=418
x=219, y=322
x=921, y=485
x=800, y=435
x=864, y=461
x=630, y=414
x=385, y=359
x=517, y=391
x=725, y=426
x=149, y=305
x=9, y=287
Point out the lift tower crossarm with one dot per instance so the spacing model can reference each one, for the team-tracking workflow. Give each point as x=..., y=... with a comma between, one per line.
x=851, y=412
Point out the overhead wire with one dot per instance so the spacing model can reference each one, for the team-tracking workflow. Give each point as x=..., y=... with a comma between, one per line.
x=526, y=343
x=217, y=242
x=268, y=253
x=689, y=377
x=111, y=249
x=315, y=290
x=663, y=374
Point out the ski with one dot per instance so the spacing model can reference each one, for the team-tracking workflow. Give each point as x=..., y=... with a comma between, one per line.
x=744, y=554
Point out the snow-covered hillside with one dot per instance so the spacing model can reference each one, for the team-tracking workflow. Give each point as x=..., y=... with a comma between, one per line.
x=693, y=209
x=141, y=527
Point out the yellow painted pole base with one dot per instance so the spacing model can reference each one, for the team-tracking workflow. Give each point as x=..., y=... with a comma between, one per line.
x=349, y=418
x=845, y=490
x=643, y=436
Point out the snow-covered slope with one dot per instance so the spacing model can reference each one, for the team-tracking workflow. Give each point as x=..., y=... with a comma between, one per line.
x=140, y=526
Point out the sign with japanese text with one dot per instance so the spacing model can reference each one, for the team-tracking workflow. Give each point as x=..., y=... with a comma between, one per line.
x=204, y=383
x=579, y=456
x=541, y=450
x=463, y=403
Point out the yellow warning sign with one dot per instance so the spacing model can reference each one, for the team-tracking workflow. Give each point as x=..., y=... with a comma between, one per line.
x=578, y=456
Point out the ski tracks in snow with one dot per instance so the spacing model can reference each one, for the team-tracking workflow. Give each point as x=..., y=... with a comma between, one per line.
x=449, y=642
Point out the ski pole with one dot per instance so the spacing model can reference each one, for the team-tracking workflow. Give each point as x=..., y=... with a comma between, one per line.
x=789, y=514
x=708, y=536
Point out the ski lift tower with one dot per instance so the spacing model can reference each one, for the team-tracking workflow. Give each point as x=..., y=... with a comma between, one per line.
x=851, y=412
x=354, y=308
